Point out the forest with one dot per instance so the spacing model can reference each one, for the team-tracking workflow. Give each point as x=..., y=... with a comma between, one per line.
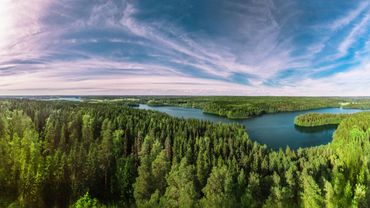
x=104, y=154
x=319, y=119
x=242, y=107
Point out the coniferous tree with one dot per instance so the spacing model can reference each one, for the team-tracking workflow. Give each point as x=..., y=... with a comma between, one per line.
x=181, y=190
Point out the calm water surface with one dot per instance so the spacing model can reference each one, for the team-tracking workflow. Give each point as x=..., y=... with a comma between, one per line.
x=276, y=130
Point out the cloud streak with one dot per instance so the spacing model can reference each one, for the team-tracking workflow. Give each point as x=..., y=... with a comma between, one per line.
x=141, y=47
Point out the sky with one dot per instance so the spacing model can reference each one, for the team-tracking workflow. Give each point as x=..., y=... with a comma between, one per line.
x=185, y=47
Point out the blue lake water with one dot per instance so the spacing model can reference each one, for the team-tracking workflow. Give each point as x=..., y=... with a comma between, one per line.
x=276, y=130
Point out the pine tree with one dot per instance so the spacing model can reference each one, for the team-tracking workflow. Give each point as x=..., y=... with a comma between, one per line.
x=181, y=188
x=218, y=191
x=146, y=183
x=106, y=149
x=311, y=196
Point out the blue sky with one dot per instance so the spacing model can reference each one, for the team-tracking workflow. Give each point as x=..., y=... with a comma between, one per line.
x=185, y=47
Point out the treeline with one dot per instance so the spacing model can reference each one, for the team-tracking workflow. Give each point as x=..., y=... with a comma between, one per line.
x=363, y=104
x=60, y=154
x=239, y=107
x=319, y=119
x=243, y=107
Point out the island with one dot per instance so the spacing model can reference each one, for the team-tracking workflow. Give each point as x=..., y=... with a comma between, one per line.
x=319, y=119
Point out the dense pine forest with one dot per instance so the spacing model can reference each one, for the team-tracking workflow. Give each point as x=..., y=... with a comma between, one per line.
x=66, y=154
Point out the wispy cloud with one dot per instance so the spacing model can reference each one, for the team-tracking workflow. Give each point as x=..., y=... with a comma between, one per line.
x=354, y=34
x=142, y=47
x=351, y=16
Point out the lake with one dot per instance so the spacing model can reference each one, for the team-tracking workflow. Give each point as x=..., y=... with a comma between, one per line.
x=66, y=98
x=276, y=130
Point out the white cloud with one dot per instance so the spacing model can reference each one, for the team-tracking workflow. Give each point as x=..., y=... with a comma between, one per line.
x=265, y=52
x=354, y=34
x=19, y=22
x=350, y=17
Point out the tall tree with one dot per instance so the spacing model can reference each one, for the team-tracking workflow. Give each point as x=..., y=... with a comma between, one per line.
x=219, y=189
x=106, y=149
x=311, y=196
x=181, y=188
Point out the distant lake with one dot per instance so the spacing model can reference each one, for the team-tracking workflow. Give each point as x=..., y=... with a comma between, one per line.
x=276, y=130
x=75, y=99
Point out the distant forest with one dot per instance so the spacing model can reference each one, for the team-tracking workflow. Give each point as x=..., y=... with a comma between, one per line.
x=240, y=107
x=105, y=154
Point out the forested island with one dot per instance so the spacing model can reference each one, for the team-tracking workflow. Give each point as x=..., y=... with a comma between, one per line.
x=319, y=119
x=68, y=154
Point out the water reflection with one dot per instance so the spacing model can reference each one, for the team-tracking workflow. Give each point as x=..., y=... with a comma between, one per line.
x=315, y=129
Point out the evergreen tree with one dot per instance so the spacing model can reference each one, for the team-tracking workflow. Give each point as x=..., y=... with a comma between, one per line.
x=218, y=191
x=181, y=188
x=311, y=196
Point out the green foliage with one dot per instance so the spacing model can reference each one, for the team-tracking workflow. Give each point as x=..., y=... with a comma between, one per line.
x=311, y=195
x=52, y=153
x=87, y=202
x=244, y=107
x=181, y=191
x=319, y=119
x=219, y=191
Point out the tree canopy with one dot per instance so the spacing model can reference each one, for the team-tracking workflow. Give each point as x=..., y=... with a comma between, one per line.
x=62, y=154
